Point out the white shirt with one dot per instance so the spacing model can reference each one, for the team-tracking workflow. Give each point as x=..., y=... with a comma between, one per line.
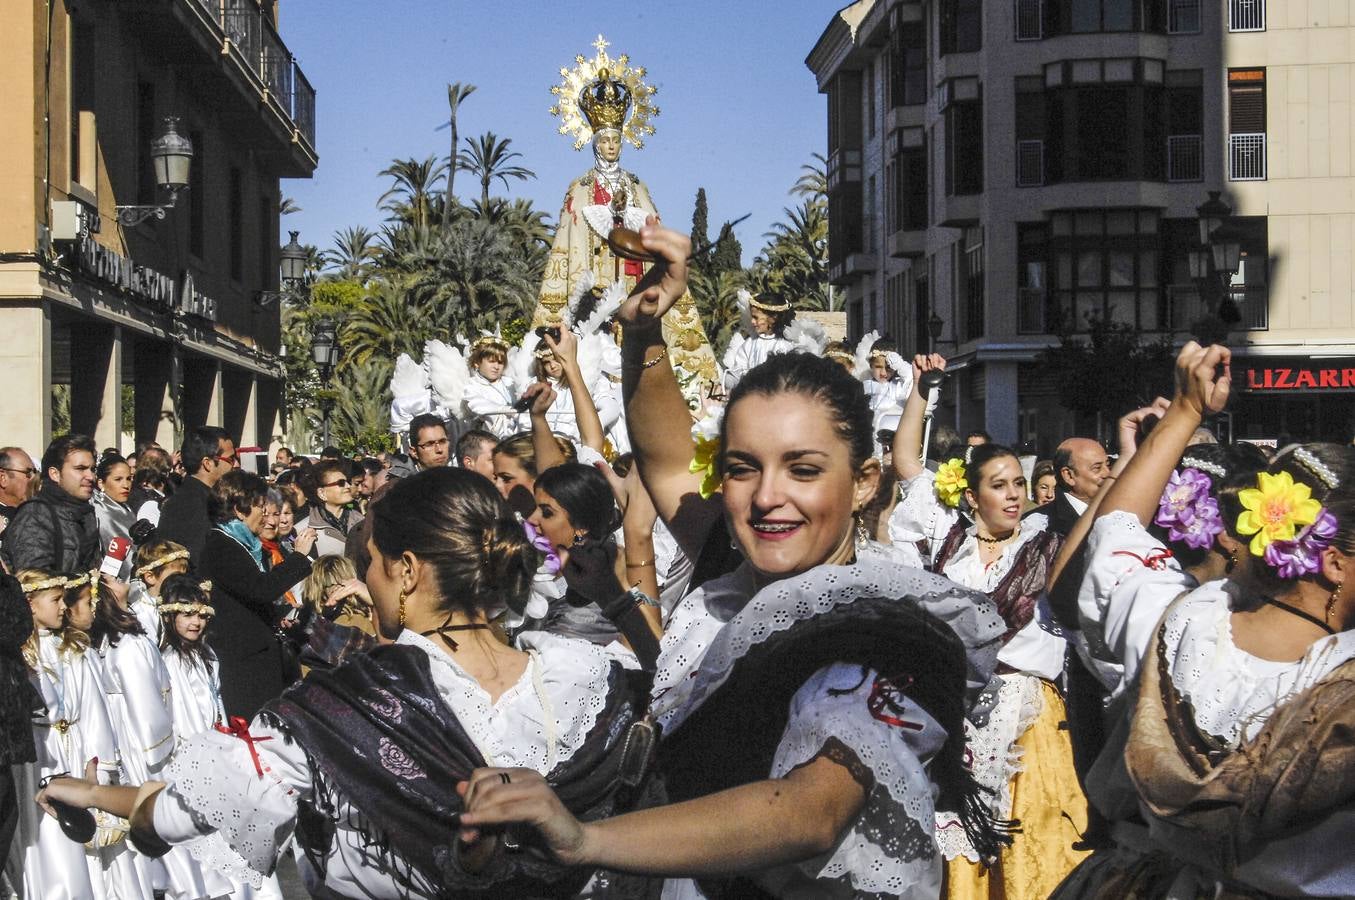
x=493, y=402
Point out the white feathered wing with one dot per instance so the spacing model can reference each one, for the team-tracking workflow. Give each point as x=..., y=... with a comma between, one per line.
x=448, y=376
x=409, y=392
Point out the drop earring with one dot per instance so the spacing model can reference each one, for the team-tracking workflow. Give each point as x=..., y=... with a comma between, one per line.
x=402, y=607
x=862, y=536
x=1332, y=601
x=1232, y=563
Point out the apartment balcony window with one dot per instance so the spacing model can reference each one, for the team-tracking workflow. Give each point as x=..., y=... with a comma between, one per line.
x=961, y=26
x=908, y=64
x=964, y=147
x=1030, y=311
x=1029, y=20
x=1183, y=16
x=1246, y=15
x=1032, y=291
x=1105, y=119
x=1185, y=157
x=1105, y=266
x=1029, y=163
x=971, y=282
x=1247, y=124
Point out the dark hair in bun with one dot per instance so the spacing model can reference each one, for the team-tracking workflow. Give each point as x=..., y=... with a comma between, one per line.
x=455, y=521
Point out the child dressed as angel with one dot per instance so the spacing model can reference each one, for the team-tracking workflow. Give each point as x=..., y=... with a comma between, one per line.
x=769, y=327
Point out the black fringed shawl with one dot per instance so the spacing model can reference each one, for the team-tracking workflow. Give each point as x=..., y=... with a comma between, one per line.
x=1019, y=590
x=379, y=738
x=732, y=738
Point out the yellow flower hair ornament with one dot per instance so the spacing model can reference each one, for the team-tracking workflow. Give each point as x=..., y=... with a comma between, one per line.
x=1275, y=510
x=951, y=482
x=705, y=461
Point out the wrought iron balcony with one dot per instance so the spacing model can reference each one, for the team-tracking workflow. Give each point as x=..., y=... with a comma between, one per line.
x=1246, y=15
x=1247, y=157
x=1185, y=157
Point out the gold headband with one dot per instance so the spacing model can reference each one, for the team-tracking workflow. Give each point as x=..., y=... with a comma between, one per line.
x=32, y=587
x=842, y=355
x=769, y=307
x=202, y=609
x=488, y=340
x=162, y=561
x=880, y=354
x=544, y=354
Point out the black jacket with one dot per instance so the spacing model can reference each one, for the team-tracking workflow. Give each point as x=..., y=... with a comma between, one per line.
x=18, y=699
x=255, y=667
x=184, y=520
x=53, y=531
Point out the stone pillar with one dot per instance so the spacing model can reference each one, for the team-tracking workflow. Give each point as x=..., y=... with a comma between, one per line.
x=215, y=404
x=26, y=360
x=1002, y=406
x=96, y=383
x=155, y=385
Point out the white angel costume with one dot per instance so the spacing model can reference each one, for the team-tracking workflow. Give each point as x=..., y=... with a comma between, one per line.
x=437, y=385
x=887, y=398
x=215, y=788
x=749, y=349
x=138, y=689
x=195, y=689
x=492, y=403
x=561, y=417
x=75, y=729
x=146, y=609
x=889, y=849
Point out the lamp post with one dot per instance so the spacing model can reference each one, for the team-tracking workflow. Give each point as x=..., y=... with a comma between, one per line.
x=325, y=354
x=292, y=267
x=1214, y=262
x=935, y=324
x=171, y=159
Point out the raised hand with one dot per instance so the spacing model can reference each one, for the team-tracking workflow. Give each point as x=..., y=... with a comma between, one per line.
x=590, y=569
x=305, y=541
x=566, y=349
x=665, y=282
x=542, y=397
x=1204, y=378
x=923, y=363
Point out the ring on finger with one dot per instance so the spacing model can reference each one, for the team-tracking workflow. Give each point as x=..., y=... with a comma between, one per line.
x=504, y=777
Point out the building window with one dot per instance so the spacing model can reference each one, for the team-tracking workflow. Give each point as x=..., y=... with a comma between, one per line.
x=1094, y=16
x=908, y=65
x=1105, y=266
x=961, y=26
x=145, y=135
x=922, y=309
x=908, y=189
x=845, y=234
x=964, y=147
x=971, y=282
x=1247, y=124
x=1032, y=279
x=84, y=142
x=1183, y=16
x=1107, y=119
x=855, y=322
x=872, y=222
x=268, y=266
x=868, y=88
x=197, y=201
x=236, y=213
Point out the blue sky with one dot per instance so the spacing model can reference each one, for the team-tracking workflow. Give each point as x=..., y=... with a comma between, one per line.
x=740, y=112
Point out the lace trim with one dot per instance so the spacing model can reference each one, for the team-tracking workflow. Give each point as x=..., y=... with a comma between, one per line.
x=213, y=854
x=994, y=758
x=704, y=651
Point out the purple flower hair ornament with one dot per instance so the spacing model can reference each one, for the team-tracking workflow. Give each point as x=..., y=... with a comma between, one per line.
x=1188, y=512
x=1303, y=555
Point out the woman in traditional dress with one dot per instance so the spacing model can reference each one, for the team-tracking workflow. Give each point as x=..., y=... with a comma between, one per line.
x=1021, y=755
x=810, y=701
x=76, y=734
x=359, y=762
x=1239, y=689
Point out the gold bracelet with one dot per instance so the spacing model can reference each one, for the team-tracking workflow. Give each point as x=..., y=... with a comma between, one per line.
x=651, y=363
x=639, y=565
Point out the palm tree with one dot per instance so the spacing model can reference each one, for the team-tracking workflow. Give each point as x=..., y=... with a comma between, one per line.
x=353, y=252
x=456, y=93
x=480, y=278
x=716, y=296
x=288, y=206
x=415, y=182
x=488, y=158
x=362, y=403
x=813, y=180
x=389, y=323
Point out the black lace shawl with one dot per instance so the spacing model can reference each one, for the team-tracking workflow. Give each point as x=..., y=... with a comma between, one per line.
x=379, y=738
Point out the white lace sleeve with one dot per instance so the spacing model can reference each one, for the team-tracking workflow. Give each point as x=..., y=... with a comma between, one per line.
x=919, y=515
x=889, y=848
x=1131, y=579
x=214, y=779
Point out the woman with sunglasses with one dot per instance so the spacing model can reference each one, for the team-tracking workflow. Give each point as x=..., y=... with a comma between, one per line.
x=255, y=666
x=333, y=512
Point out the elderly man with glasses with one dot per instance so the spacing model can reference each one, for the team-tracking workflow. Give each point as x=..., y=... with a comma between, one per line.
x=18, y=482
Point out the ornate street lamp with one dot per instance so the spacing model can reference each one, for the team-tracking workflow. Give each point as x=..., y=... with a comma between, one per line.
x=935, y=324
x=292, y=267
x=1218, y=257
x=325, y=355
x=171, y=159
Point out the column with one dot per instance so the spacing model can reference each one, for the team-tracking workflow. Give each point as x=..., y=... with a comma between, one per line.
x=25, y=358
x=154, y=384
x=96, y=383
x=1002, y=406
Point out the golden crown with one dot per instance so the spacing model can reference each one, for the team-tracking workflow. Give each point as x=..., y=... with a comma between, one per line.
x=603, y=92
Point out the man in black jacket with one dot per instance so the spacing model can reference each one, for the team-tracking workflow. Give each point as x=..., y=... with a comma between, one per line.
x=57, y=528
x=207, y=454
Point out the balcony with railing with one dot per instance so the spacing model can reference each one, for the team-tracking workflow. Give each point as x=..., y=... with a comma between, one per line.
x=1246, y=15
x=1247, y=157
x=1031, y=310
x=1029, y=163
x=240, y=41
x=1185, y=157
x=1186, y=306
x=1029, y=20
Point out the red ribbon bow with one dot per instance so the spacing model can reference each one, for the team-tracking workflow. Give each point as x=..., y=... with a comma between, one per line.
x=239, y=727
x=885, y=698
x=1156, y=560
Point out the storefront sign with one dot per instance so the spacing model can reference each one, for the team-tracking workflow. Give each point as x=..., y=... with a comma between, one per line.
x=193, y=302
x=1307, y=375
x=142, y=282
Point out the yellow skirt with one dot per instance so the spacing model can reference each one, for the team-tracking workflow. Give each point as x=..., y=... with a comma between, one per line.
x=1048, y=801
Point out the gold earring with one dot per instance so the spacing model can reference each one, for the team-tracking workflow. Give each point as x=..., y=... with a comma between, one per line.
x=1333, y=600
x=862, y=536
x=402, y=607
x=1232, y=563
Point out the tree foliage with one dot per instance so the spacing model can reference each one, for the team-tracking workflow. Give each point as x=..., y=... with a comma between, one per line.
x=1110, y=368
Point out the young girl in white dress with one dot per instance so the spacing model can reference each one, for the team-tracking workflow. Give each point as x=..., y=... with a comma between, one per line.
x=155, y=561
x=765, y=320
x=75, y=731
x=888, y=382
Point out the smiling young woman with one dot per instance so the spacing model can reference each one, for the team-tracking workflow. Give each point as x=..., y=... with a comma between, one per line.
x=1023, y=758
x=812, y=700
